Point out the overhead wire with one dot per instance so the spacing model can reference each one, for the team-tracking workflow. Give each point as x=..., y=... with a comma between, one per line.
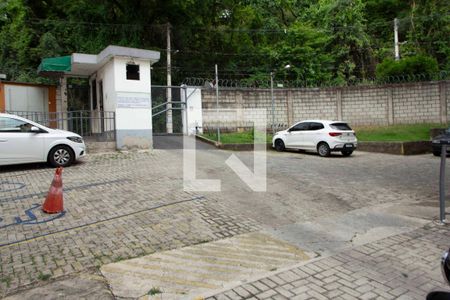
x=224, y=29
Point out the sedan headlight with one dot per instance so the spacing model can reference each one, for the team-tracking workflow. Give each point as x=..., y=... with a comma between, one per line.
x=75, y=139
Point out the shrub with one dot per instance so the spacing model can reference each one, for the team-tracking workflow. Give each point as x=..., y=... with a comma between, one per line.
x=413, y=68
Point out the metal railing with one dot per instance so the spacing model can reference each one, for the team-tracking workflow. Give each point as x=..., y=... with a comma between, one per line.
x=98, y=125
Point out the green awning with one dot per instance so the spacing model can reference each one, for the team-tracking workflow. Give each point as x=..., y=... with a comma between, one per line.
x=54, y=65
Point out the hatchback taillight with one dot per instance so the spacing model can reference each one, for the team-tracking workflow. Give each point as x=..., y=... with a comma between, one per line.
x=335, y=133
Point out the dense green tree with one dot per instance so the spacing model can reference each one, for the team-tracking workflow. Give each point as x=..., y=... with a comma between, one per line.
x=325, y=41
x=429, y=23
x=349, y=45
x=16, y=41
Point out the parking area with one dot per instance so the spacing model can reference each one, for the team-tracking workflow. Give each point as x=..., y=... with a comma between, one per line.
x=124, y=205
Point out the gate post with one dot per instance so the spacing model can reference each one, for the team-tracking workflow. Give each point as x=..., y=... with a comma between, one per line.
x=192, y=118
x=184, y=98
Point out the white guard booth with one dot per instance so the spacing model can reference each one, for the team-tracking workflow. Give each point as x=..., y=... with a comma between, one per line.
x=120, y=79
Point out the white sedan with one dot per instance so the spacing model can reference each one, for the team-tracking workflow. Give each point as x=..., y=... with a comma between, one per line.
x=24, y=141
x=322, y=136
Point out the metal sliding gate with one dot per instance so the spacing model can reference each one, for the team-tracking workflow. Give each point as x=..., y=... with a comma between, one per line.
x=162, y=107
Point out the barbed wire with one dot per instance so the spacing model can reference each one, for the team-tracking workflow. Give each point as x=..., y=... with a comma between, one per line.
x=249, y=83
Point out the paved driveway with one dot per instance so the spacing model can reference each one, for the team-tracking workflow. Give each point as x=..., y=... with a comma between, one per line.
x=124, y=205
x=175, y=141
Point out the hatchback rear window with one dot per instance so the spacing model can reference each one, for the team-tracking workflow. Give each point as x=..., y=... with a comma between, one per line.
x=340, y=126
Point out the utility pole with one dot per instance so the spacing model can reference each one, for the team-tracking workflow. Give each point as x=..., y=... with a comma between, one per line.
x=396, y=47
x=217, y=102
x=273, y=101
x=169, y=122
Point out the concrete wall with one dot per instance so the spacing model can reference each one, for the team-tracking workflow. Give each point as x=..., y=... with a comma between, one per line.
x=424, y=102
x=106, y=76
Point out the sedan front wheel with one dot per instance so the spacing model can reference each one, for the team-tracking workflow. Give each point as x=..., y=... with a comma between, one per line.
x=61, y=156
x=279, y=145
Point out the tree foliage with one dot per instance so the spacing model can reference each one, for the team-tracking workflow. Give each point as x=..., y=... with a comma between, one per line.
x=333, y=41
x=419, y=65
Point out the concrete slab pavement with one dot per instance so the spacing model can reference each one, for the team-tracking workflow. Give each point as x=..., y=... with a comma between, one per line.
x=332, y=234
x=191, y=271
x=175, y=141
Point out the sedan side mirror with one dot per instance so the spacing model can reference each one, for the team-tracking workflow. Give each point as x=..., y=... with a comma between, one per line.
x=35, y=129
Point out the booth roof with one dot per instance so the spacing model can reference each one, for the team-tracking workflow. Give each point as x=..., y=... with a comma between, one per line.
x=80, y=64
x=59, y=64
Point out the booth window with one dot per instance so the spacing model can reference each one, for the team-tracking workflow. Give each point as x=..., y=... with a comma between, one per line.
x=132, y=72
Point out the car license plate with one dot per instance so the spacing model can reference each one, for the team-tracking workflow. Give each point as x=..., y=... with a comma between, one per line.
x=348, y=145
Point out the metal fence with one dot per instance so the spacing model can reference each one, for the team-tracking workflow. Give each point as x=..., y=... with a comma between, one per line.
x=159, y=97
x=98, y=125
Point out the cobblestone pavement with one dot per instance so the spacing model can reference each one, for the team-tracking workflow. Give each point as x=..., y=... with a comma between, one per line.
x=124, y=205
x=405, y=266
x=117, y=206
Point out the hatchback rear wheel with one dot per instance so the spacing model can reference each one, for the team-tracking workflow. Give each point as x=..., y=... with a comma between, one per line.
x=323, y=149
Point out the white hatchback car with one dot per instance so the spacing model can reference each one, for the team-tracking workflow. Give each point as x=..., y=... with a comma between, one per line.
x=24, y=141
x=318, y=135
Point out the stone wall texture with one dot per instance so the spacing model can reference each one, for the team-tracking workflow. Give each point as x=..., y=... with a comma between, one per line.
x=423, y=102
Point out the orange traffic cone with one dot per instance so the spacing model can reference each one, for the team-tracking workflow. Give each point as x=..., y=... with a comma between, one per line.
x=54, y=201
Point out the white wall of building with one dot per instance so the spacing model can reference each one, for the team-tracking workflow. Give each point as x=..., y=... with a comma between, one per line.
x=105, y=76
x=133, y=105
x=138, y=86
